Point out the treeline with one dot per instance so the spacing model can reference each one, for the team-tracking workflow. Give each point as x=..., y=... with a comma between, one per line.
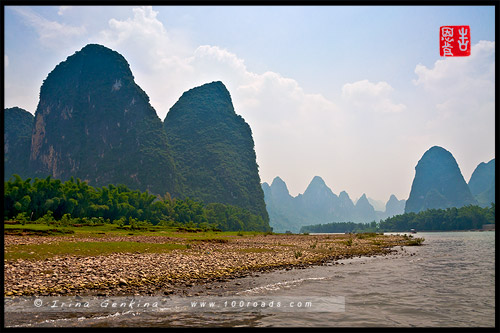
x=464, y=218
x=76, y=201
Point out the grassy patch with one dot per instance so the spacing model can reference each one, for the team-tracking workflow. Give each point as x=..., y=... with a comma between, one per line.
x=364, y=235
x=35, y=229
x=86, y=249
x=415, y=242
x=115, y=230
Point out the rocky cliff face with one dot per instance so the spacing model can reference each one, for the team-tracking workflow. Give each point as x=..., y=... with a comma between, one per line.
x=438, y=183
x=18, y=125
x=213, y=149
x=95, y=123
x=482, y=183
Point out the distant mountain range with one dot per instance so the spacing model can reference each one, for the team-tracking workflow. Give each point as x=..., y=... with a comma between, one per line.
x=318, y=204
x=438, y=183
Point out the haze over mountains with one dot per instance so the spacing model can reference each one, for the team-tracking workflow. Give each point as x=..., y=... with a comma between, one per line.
x=318, y=204
x=438, y=184
x=95, y=123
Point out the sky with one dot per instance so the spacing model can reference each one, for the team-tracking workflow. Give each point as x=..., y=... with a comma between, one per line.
x=353, y=94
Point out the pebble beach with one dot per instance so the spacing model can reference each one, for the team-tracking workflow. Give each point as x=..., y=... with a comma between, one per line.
x=195, y=262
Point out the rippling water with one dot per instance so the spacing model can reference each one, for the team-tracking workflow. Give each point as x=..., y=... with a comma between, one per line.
x=450, y=281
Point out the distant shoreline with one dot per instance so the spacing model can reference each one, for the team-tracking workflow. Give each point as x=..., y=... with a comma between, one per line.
x=459, y=231
x=406, y=232
x=190, y=262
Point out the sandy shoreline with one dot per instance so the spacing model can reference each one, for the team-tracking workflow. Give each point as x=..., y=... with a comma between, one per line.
x=200, y=267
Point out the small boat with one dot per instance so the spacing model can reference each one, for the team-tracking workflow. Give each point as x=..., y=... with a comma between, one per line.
x=413, y=231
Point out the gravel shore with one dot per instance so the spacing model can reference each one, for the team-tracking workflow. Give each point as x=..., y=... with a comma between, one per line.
x=201, y=264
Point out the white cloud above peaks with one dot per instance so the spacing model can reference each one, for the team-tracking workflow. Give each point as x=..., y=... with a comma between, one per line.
x=143, y=23
x=165, y=66
x=62, y=10
x=142, y=36
x=460, y=77
x=461, y=89
x=371, y=96
x=50, y=33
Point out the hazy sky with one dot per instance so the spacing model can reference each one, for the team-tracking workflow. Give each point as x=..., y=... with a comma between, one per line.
x=355, y=95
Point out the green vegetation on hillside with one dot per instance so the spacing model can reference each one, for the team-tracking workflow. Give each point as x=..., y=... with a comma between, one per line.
x=482, y=183
x=438, y=183
x=213, y=150
x=464, y=218
x=95, y=123
x=52, y=201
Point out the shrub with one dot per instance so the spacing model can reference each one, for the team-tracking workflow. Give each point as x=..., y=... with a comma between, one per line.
x=22, y=217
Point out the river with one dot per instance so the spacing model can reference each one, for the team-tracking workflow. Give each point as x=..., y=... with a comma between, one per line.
x=447, y=282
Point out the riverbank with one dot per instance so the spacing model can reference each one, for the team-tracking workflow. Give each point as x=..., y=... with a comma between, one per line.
x=108, y=265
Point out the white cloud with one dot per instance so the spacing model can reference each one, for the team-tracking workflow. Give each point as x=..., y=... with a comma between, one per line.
x=460, y=104
x=268, y=94
x=371, y=96
x=172, y=67
x=159, y=62
x=461, y=89
x=62, y=10
x=143, y=36
x=274, y=106
x=50, y=33
x=458, y=81
x=143, y=23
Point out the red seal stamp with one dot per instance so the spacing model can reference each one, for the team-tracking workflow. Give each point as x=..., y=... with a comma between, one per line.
x=454, y=41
